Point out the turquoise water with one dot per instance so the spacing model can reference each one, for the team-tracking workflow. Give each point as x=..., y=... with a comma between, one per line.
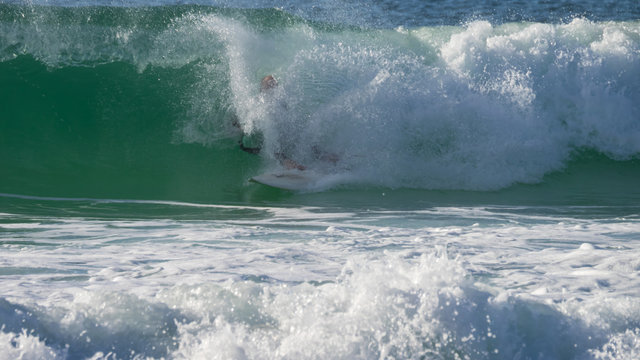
x=483, y=201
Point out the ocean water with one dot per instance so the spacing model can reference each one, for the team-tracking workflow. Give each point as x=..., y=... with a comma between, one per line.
x=482, y=198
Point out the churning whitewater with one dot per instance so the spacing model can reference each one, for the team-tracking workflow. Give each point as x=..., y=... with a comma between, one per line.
x=306, y=283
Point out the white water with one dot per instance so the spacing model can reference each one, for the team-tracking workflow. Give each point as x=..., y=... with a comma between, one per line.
x=473, y=107
x=308, y=283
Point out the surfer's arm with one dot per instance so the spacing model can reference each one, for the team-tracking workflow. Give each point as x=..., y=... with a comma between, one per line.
x=250, y=150
x=251, y=143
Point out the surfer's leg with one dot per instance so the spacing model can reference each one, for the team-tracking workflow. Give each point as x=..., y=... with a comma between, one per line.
x=289, y=163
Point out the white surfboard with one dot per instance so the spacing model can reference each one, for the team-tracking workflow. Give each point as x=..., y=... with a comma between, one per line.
x=294, y=180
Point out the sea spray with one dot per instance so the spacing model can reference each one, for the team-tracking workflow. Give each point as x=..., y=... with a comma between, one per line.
x=482, y=107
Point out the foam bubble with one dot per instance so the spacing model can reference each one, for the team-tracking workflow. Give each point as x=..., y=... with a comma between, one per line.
x=26, y=346
x=621, y=346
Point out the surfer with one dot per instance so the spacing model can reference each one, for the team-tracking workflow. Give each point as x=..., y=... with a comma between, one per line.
x=252, y=143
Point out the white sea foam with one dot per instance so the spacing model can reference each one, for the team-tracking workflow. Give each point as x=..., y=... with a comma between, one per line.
x=623, y=346
x=309, y=283
x=25, y=346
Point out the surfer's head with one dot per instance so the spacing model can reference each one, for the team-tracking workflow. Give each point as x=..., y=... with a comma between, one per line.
x=268, y=82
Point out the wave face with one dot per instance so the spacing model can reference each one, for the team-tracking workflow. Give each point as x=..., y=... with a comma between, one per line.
x=115, y=101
